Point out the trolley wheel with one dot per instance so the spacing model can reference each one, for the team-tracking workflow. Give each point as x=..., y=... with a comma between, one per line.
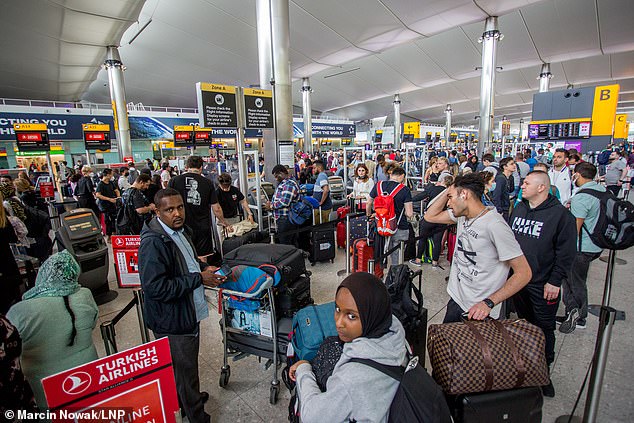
x=332, y=260
x=224, y=377
x=275, y=391
x=312, y=263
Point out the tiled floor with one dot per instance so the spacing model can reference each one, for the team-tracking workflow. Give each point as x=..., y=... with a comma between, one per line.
x=245, y=399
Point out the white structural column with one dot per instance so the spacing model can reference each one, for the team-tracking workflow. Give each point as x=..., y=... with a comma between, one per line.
x=489, y=42
x=265, y=65
x=307, y=113
x=397, y=121
x=117, y=94
x=448, y=112
x=544, y=78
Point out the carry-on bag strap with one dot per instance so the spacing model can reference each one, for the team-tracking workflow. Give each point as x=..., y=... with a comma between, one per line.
x=519, y=362
x=486, y=354
x=395, y=372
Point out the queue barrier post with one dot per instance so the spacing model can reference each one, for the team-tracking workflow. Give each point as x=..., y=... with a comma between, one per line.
x=145, y=334
x=346, y=271
x=109, y=337
x=371, y=266
x=401, y=252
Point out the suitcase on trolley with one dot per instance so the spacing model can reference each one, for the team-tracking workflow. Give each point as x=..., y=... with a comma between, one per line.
x=293, y=297
x=361, y=254
x=289, y=260
x=523, y=405
x=252, y=237
x=261, y=346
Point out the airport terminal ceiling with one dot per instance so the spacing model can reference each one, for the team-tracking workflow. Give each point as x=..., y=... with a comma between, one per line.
x=357, y=53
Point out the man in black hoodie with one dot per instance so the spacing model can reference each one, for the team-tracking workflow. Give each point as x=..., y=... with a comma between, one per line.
x=546, y=232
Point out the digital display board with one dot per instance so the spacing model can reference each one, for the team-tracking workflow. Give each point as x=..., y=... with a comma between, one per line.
x=408, y=137
x=559, y=130
x=184, y=136
x=203, y=136
x=31, y=137
x=378, y=137
x=96, y=137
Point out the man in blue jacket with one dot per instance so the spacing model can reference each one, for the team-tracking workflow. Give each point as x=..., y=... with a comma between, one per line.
x=172, y=279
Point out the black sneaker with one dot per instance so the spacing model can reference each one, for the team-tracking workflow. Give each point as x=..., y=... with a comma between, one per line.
x=581, y=324
x=568, y=326
x=549, y=390
x=560, y=319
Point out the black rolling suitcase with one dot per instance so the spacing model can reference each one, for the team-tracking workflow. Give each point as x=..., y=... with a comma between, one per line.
x=523, y=405
x=323, y=245
x=289, y=299
x=289, y=260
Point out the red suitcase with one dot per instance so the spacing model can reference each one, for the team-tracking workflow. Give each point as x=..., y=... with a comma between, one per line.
x=451, y=242
x=341, y=234
x=361, y=254
x=342, y=212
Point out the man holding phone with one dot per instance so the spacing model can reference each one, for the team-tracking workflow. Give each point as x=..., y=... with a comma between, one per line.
x=172, y=279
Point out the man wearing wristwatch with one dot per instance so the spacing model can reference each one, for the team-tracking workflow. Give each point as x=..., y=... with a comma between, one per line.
x=486, y=250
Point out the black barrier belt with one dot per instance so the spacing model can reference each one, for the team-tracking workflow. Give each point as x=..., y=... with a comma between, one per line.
x=395, y=248
x=125, y=310
x=313, y=227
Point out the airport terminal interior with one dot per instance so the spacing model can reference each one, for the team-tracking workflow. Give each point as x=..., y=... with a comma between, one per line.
x=516, y=112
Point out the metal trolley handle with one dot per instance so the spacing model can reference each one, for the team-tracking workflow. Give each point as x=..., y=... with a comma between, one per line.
x=268, y=283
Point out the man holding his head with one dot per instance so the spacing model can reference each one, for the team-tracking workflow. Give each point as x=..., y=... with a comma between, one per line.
x=172, y=279
x=546, y=232
x=485, y=252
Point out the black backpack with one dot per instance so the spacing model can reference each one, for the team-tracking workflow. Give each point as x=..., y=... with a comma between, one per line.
x=418, y=398
x=37, y=222
x=128, y=220
x=615, y=226
x=400, y=287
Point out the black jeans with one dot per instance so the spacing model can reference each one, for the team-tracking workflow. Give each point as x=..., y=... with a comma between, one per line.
x=531, y=305
x=431, y=232
x=184, y=349
x=454, y=312
x=284, y=225
x=575, y=289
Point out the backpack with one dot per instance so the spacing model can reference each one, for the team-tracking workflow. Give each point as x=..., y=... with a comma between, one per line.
x=128, y=220
x=311, y=326
x=407, y=305
x=604, y=157
x=37, y=221
x=418, y=397
x=386, y=223
x=615, y=226
x=302, y=210
x=248, y=279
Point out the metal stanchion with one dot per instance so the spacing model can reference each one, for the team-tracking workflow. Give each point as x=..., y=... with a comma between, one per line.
x=401, y=252
x=371, y=266
x=607, y=317
x=346, y=271
x=145, y=334
x=109, y=337
x=272, y=235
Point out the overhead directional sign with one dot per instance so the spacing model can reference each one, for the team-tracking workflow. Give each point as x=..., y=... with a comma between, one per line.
x=183, y=136
x=96, y=137
x=258, y=108
x=216, y=105
x=31, y=136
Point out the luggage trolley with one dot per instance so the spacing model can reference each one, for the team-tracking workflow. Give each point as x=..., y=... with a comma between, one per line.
x=264, y=295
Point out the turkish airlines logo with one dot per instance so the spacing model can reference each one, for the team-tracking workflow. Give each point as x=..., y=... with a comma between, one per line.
x=76, y=383
x=119, y=242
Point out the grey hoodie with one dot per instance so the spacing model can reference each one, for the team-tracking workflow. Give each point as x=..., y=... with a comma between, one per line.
x=354, y=391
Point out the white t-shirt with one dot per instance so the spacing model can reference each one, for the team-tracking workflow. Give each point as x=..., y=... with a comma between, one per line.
x=561, y=179
x=480, y=263
x=165, y=177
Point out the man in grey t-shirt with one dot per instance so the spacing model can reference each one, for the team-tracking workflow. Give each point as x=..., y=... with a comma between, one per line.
x=615, y=173
x=486, y=250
